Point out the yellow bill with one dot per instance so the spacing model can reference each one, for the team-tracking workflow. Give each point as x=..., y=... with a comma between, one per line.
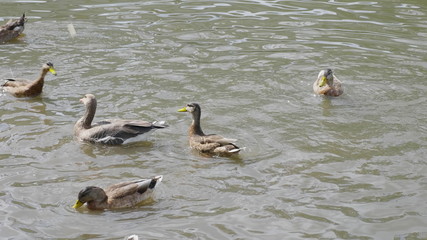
x=184, y=109
x=323, y=81
x=78, y=204
x=52, y=71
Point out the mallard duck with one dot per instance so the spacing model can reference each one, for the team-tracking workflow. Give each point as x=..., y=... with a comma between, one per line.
x=327, y=84
x=112, y=131
x=210, y=144
x=12, y=29
x=121, y=195
x=27, y=88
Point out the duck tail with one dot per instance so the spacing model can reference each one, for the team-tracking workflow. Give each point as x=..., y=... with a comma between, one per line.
x=236, y=149
x=155, y=180
x=159, y=124
x=7, y=80
x=22, y=20
x=148, y=184
x=17, y=25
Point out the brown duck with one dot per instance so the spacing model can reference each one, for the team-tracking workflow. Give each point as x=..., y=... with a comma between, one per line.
x=121, y=195
x=27, y=88
x=211, y=143
x=327, y=84
x=12, y=29
x=112, y=131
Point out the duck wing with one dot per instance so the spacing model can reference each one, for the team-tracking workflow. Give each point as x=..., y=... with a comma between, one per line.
x=137, y=188
x=121, y=190
x=214, y=143
x=117, y=131
x=214, y=138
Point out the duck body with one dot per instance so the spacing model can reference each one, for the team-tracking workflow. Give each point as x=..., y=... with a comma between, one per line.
x=209, y=144
x=213, y=144
x=19, y=87
x=327, y=84
x=121, y=195
x=112, y=131
x=12, y=29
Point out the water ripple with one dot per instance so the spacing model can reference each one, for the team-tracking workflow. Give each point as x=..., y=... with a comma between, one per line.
x=349, y=168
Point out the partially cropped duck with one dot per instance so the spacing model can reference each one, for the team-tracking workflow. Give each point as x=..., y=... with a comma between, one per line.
x=12, y=29
x=211, y=143
x=327, y=84
x=112, y=131
x=26, y=88
x=121, y=195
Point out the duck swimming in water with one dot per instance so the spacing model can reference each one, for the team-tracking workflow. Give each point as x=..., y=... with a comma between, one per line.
x=327, y=84
x=111, y=131
x=19, y=87
x=120, y=195
x=207, y=143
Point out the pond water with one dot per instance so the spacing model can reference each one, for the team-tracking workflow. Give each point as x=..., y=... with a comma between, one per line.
x=351, y=167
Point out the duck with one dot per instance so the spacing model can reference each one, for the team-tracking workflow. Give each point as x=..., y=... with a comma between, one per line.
x=111, y=131
x=26, y=88
x=207, y=143
x=120, y=195
x=12, y=29
x=327, y=84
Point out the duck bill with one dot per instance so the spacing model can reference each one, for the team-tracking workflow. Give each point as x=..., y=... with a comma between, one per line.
x=52, y=71
x=322, y=82
x=184, y=109
x=78, y=204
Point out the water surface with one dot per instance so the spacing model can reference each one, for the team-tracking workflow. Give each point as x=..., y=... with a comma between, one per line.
x=351, y=167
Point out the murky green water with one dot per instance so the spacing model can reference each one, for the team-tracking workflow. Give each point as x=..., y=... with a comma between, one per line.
x=351, y=167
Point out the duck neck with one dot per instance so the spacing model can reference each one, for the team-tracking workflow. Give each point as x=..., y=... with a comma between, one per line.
x=86, y=120
x=39, y=82
x=195, y=128
x=98, y=204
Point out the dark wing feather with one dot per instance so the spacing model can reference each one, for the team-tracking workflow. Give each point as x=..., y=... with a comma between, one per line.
x=118, y=131
x=132, y=129
x=145, y=184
